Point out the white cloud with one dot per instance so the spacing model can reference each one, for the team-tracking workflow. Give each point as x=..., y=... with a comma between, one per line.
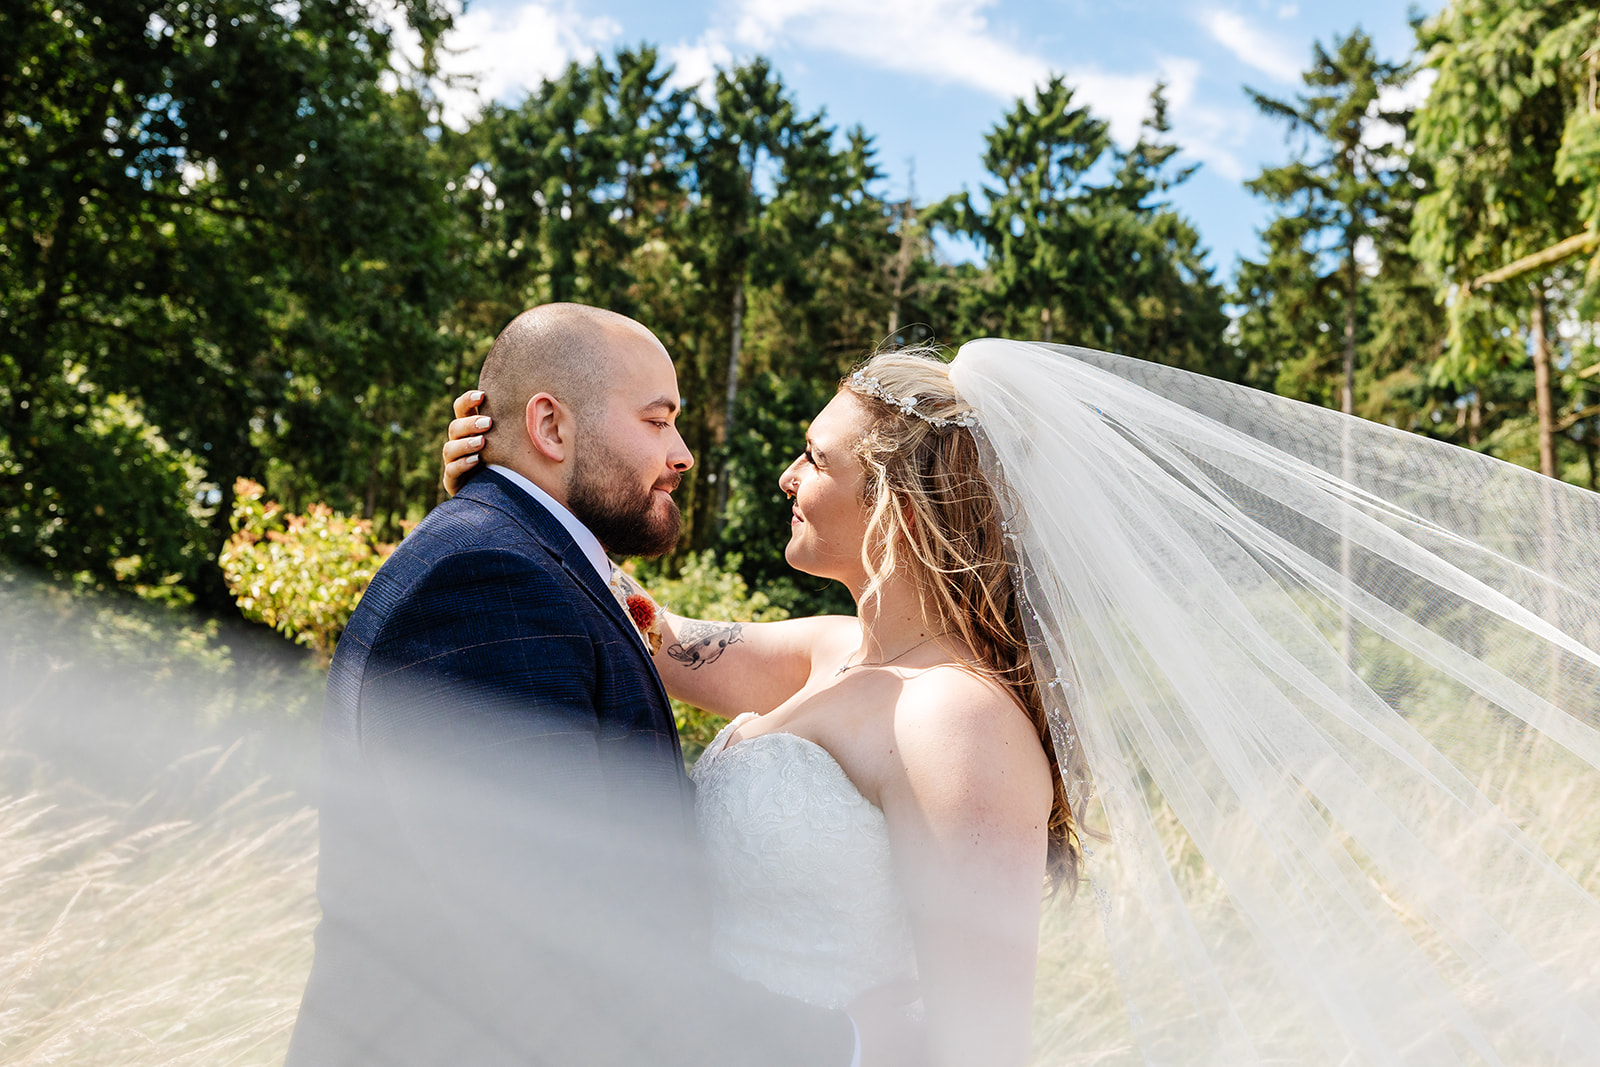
x=1395, y=98
x=951, y=41
x=1253, y=46
x=939, y=40
x=1366, y=251
x=695, y=63
x=503, y=52
x=1413, y=94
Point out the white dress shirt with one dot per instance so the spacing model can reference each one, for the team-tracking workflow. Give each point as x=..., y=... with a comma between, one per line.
x=580, y=533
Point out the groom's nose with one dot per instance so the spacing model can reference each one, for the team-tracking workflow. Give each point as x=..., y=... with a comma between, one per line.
x=679, y=458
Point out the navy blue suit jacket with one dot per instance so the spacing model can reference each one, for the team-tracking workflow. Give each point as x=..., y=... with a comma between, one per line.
x=508, y=867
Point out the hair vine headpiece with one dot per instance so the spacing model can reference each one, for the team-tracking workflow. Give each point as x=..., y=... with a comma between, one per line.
x=907, y=405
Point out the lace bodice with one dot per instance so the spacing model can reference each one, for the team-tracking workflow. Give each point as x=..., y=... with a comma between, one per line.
x=805, y=896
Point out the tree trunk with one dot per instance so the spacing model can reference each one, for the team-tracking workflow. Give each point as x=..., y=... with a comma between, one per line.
x=1347, y=404
x=1574, y=245
x=1347, y=396
x=1542, y=401
x=1544, y=405
x=735, y=355
x=1588, y=454
x=902, y=264
x=1047, y=325
x=369, y=503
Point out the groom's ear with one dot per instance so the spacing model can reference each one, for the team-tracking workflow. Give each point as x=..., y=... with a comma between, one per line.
x=549, y=426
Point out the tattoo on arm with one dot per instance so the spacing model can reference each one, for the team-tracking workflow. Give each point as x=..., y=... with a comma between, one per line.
x=700, y=643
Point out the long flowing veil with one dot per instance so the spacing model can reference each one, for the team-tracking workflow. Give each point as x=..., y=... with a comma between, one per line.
x=1330, y=691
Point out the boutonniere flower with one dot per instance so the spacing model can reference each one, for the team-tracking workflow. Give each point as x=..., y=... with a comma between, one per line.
x=641, y=608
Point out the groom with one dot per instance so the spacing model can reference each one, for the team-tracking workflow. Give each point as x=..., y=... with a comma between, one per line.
x=507, y=869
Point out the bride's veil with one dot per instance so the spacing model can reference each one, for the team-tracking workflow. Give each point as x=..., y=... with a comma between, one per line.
x=1335, y=688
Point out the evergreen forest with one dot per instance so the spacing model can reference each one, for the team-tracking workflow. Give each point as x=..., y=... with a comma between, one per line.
x=237, y=242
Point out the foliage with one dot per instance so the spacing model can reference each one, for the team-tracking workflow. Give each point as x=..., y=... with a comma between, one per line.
x=1514, y=82
x=235, y=241
x=1500, y=201
x=1035, y=217
x=303, y=575
x=221, y=227
x=1566, y=54
x=1165, y=305
x=1110, y=266
x=1309, y=306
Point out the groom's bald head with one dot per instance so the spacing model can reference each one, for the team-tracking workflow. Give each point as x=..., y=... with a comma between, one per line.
x=570, y=351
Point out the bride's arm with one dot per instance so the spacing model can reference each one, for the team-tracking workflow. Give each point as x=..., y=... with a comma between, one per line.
x=967, y=802
x=731, y=667
x=722, y=667
x=727, y=667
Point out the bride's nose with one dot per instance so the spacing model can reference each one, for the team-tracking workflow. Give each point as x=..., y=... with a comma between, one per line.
x=789, y=480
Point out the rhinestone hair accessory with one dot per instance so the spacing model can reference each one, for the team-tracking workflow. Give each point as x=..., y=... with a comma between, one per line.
x=907, y=405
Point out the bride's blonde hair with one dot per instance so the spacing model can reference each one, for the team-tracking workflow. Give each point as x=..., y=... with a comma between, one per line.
x=935, y=516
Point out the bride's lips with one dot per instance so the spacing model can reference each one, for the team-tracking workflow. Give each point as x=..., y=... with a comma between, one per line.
x=794, y=517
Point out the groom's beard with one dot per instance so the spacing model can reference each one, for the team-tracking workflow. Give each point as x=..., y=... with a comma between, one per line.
x=624, y=520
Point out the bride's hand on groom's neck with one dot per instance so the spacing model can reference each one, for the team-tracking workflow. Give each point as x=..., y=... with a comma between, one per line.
x=464, y=440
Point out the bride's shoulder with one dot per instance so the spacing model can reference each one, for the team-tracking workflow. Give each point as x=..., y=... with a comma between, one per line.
x=960, y=735
x=959, y=714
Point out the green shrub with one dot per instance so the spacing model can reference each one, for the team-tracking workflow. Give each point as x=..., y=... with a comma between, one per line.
x=303, y=575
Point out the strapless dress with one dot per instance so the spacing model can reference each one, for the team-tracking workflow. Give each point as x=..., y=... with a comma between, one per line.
x=805, y=896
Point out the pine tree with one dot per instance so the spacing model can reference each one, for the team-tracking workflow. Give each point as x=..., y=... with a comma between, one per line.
x=1164, y=304
x=1334, y=191
x=1507, y=128
x=226, y=254
x=1046, y=279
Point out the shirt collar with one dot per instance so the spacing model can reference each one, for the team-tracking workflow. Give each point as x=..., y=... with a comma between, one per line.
x=588, y=542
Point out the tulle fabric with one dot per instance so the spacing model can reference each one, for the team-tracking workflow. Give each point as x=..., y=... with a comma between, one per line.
x=1329, y=691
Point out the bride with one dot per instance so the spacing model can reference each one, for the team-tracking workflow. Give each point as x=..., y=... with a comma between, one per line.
x=1325, y=690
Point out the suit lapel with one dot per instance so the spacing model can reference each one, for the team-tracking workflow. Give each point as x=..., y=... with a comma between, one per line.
x=492, y=490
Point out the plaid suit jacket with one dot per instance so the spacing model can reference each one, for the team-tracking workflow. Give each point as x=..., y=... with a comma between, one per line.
x=508, y=867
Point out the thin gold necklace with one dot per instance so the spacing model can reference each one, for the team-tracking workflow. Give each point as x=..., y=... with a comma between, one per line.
x=886, y=662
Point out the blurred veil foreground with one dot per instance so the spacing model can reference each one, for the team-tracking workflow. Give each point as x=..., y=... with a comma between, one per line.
x=159, y=850
x=157, y=833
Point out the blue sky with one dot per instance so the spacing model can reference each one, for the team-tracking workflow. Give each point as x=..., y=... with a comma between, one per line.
x=927, y=78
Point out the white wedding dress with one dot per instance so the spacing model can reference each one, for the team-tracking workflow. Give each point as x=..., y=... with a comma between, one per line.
x=805, y=899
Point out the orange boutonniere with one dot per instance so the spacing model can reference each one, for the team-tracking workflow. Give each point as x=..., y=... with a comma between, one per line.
x=644, y=612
